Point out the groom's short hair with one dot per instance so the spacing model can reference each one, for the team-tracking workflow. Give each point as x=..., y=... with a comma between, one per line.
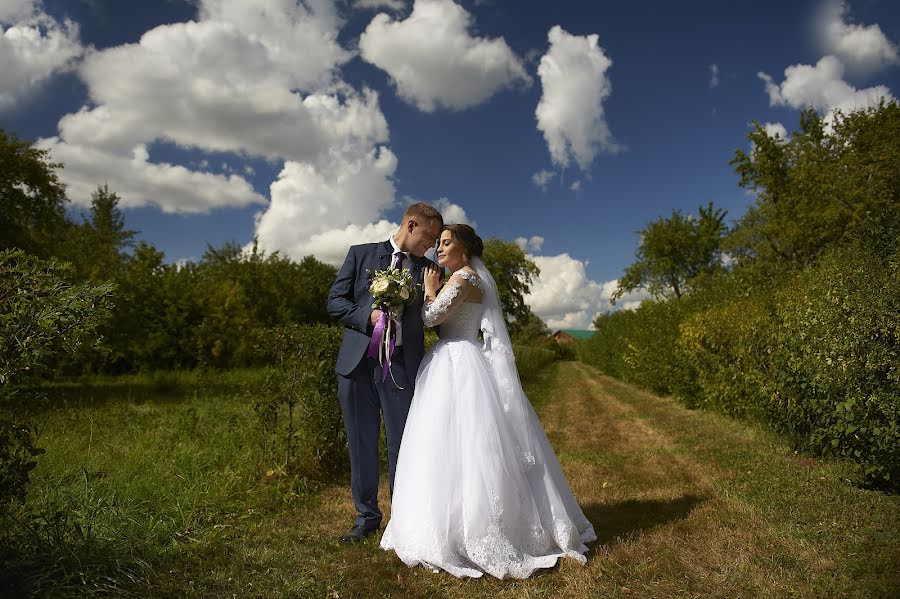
x=423, y=212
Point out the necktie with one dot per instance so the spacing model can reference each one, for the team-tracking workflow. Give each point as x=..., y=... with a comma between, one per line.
x=398, y=264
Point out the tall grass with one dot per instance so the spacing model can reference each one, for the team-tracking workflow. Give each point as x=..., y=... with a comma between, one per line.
x=126, y=480
x=142, y=470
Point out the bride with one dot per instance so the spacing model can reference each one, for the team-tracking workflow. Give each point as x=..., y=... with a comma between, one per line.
x=478, y=487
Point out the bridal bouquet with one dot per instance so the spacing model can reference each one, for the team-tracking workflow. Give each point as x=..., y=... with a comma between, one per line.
x=392, y=290
x=392, y=287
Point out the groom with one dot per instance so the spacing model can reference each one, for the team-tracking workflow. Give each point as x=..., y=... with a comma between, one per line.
x=363, y=395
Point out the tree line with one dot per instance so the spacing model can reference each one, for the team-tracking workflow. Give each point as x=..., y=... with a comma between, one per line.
x=170, y=316
x=791, y=313
x=163, y=315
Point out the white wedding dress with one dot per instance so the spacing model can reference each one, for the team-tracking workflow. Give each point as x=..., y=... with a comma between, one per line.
x=478, y=487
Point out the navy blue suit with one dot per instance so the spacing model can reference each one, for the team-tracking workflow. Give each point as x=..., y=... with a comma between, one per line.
x=363, y=396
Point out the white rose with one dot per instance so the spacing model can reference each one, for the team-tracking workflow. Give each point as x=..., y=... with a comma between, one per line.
x=404, y=294
x=380, y=286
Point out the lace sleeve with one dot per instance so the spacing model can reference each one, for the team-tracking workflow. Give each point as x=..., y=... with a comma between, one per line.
x=436, y=311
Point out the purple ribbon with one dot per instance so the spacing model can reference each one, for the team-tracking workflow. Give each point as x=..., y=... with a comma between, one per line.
x=376, y=341
x=386, y=367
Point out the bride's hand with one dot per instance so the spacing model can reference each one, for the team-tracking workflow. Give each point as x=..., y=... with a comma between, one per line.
x=432, y=280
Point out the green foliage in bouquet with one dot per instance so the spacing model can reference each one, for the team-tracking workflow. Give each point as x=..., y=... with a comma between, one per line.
x=392, y=287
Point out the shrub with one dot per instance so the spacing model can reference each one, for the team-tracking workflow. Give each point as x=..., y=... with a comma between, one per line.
x=530, y=359
x=41, y=317
x=836, y=361
x=650, y=358
x=639, y=346
x=301, y=425
x=725, y=347
x=562, y=351
x=606, y=348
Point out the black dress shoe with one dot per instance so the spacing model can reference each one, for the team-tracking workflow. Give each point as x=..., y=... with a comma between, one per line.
x=358, y=533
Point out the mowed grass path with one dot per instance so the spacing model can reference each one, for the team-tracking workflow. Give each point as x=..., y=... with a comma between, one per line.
x=685, y=504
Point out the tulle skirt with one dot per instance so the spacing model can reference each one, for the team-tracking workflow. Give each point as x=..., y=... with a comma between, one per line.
x=465, y=500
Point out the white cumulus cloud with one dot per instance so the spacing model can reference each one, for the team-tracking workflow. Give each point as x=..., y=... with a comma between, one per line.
x=863, y=48
x=821, y=86
x=12, y=11
x=564, y=297
x=311, y=205
x=139, y=182
x=434, y=61
x=251, y=79
x=331, y=246
x=453, y=214
x=774, y=130
x=315, y=213
x=530, y=244
x=570, y=114
x=33, y=48
x=226, y=83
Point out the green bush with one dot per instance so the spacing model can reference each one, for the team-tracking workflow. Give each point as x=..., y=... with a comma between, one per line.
x=836, y=360
x=531, y=359
x=301, y=425
x=725, y=347
x=606, y=348
x=650, y=358
x=639, y=346
x=562, y=351
x=815, y=355
x=801, y=329
x=42, y=316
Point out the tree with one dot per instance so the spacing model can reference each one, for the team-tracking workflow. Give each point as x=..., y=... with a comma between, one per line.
x=830, y=184
x=99, y=244
x=314, y=280
x=674, y=252
x=530, y=329
x=32, y=199
x=513, y=273
x=156, y=311
x=244, y=292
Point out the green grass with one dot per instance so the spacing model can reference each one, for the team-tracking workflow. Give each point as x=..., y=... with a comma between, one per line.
x=134, y=468
x=164, y=495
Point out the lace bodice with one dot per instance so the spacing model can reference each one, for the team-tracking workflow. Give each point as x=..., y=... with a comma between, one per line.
x=463, y=323
x=458, y=319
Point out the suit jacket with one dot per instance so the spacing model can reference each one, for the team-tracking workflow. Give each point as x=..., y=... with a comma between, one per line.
x=350, y=301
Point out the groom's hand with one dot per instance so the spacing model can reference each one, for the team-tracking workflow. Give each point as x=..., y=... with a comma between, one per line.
x=373, y=318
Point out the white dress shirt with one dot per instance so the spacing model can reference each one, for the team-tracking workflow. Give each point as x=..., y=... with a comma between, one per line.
x=396, y=250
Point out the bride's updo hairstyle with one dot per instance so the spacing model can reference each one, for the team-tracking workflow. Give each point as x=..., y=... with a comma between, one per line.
x=466, y=235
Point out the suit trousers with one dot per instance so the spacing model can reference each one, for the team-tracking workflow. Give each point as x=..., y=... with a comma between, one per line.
x=364, y=399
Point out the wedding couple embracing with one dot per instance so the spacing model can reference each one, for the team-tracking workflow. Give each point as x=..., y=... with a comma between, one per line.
x=475, y=484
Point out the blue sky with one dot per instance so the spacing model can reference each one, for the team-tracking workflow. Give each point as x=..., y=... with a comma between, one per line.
x=565, y=125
